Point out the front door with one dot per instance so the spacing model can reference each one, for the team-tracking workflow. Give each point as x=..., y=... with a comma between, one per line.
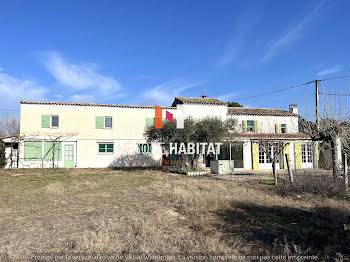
x=69, y=155
x=265, y=161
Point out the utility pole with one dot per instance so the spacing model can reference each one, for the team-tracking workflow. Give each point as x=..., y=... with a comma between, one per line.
x=317, y=105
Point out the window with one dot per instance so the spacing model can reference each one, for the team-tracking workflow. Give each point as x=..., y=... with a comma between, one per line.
x=250, y=126
x=106, y=148
x=261, y=155
x=236, y=153
x=33, y=150
x=268, y=154
x=52, y=150
x=306, y=153
x=144, y=148
x=68, y=153
x=303, y=153
x=309, y=153
x=283, y=128
x=103, y=122
x=49, y=121
x=266, y=158
x=108, y=122
x=54, y=121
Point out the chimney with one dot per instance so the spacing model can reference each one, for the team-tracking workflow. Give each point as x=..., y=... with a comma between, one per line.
x=293, y=108
x=204, y=96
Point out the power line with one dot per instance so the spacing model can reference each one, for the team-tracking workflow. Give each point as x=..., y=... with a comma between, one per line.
x=334, y=94
x=332, y=78
x=275, y=91
x=291, y=87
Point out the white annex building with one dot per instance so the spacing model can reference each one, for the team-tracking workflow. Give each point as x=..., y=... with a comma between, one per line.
x=86, y=135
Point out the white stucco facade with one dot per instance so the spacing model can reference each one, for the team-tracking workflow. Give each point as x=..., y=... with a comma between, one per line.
x=81, y=141
x=77, y=127
x=267, y=124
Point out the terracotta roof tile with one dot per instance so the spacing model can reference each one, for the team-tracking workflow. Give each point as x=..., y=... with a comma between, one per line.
x=4, y=137
x=198, y=100
x=91, y=104
x=254, y=111
x=272, y=135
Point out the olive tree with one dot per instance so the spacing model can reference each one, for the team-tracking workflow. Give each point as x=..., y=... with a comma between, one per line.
x=206, y=130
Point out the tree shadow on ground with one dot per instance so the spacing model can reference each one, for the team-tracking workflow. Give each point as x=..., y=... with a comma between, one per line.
x=135, y=161
x=319, y=231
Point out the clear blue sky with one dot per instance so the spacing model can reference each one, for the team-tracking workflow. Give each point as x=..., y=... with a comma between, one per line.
x=147, y=52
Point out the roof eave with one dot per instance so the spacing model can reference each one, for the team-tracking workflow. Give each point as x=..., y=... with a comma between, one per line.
x=91, y=104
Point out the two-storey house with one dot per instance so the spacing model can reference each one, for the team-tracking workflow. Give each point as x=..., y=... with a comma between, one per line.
x=87, y=135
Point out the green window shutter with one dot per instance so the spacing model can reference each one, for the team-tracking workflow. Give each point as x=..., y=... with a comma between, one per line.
x=244, y=126
x=298, y=158
x=45, y=121
x=49, y=149
x=278, y=129
x=149, y=121
x=256, y=126
x=100, y=122
x=255, y=153
x=32, y=150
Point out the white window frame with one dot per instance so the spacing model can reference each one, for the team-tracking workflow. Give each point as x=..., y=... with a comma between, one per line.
x=262, y=155
x=106, y=143
x=66, y=151
x=306, y=153
x=51, y=121
x=104, y=122
x=309, y=152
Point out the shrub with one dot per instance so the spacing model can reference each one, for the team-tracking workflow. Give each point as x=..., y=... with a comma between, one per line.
x=2, y=154
x=323, y=185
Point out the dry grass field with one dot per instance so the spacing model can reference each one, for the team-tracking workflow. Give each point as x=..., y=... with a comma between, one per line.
x=46, y=213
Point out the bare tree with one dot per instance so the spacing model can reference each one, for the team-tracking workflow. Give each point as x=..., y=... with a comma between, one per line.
x=333, y=126
x=273, y=149
x=9, y=125
x=289, y=168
